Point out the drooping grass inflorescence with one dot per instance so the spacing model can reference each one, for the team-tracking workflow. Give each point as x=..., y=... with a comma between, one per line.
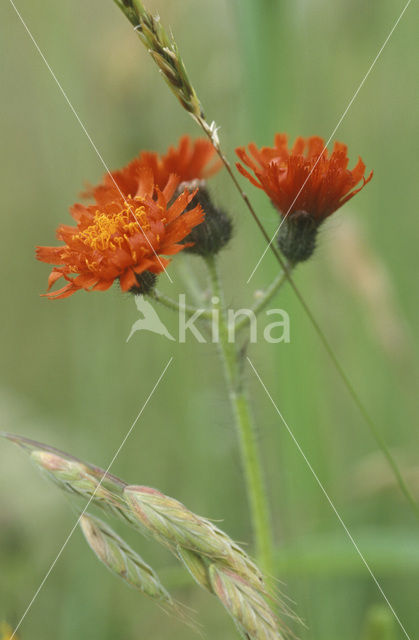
x=216, y=563
x=212, y=558
x=175, y=526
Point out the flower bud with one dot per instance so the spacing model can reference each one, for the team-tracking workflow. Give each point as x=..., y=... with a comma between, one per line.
x=215, y=231
x=297, y=236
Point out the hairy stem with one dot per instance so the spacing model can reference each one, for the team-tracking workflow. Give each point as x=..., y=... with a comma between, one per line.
x=176, y=306
x=249, y=449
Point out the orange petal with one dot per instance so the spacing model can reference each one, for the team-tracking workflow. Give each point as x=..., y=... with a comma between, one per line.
x=247, y=175
x=128, y=280
x=66, y=291
x=53, y=277
x=103, y=285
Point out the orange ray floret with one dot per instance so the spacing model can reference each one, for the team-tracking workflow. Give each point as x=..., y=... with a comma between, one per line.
x=304, y=178
x=191, y=160
x=121, y=238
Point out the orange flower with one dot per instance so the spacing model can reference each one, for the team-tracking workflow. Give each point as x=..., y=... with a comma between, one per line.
x=191, y=160
x=305, y=178
x=121, y=238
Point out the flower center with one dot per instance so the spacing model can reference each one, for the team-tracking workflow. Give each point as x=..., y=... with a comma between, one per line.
x=108, y=231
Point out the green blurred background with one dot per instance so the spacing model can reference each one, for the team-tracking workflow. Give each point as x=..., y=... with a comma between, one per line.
x=70, y=379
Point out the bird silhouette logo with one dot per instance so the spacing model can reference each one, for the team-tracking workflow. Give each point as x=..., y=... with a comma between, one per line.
x=150, y=320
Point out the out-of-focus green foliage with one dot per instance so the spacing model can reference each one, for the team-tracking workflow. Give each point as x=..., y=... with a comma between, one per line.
x=70, y=379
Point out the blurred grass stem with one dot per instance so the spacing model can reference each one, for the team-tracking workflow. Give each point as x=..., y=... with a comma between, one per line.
x=264, y=39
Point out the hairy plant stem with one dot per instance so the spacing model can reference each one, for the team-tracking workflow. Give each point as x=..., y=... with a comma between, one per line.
x=263, y=301
x=249, y=449
x=176, y=306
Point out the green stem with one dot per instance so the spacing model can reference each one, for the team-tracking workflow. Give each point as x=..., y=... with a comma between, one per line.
x=263, y=302
x=175, y=306
x=249, y=449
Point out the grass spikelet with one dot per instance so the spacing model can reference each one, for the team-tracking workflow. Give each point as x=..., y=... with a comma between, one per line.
x=247, y=606
x=123, y=561
x=109, y=481
x=196, y=565
x=164, y=51
x=74, y=477
x=211, y=557
x=80, y=479
x=174, y=525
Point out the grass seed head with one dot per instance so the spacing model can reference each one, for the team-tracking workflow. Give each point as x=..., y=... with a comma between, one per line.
x=123, y=561
x=164, y=51
x=174, y=525
x=197, y=567
x=247, y=605
x=74, y=477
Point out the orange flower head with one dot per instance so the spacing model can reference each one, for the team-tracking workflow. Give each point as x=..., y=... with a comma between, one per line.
x=282, y=172
x=305, y=183
x=190, y=161
x=122, y=239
